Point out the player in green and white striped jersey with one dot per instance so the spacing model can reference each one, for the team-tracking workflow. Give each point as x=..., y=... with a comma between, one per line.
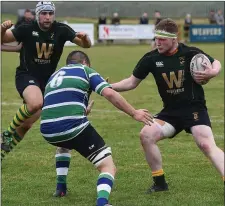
x=64, y=120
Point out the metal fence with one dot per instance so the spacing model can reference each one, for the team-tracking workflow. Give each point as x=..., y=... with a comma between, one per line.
x=125, y=9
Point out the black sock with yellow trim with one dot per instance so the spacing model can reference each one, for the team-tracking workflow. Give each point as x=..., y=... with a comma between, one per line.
x=159, y=177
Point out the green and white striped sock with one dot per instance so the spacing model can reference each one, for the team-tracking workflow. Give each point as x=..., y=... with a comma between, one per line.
x=104, y=187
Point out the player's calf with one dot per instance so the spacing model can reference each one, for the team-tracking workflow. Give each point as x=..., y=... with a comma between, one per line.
x=7, y=137
x=104, y=163
x=203, y=137
x=10, y=139
x=62, y=157
x=149, y=137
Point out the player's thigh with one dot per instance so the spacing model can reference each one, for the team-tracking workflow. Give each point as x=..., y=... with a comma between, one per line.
x=61, y=150
x=90, y=145
x=196, y=116
x=29, y=89
x=159, y=130
x=203, y=135
x=33, y=96
x=24, y=80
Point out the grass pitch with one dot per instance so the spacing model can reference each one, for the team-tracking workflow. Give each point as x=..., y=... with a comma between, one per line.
x=28, y=173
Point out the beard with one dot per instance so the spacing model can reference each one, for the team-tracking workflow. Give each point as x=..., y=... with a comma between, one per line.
x=45, y=25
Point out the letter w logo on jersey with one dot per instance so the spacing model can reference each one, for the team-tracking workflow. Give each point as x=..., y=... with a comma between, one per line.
x=44, y=49
x=178, y=80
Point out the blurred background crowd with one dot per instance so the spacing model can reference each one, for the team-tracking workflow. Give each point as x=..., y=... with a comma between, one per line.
x=118, y=13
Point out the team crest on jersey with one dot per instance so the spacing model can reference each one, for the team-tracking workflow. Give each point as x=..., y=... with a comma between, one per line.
x=182, y=60
x=35, y=33
x=91, y=147
x=159, y=64
x=195, y=116
x=52, y=35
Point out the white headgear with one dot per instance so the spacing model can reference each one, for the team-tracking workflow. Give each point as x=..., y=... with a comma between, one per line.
x=44, y=6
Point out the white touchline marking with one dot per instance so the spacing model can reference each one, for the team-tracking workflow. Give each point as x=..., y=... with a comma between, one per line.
x=214, y=119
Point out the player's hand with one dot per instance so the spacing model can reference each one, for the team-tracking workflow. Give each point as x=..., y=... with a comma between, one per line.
x=89, y=107
x=81, y=35
x=205, y=75
x=143, y=115
x=7, y=24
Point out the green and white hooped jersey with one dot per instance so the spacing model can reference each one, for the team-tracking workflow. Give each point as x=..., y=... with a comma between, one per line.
x=66, y=98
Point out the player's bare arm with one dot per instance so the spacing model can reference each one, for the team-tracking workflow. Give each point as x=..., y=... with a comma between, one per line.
x=6, y=34
x=216, y=65
x=211, y=71
x=141, y=115
x=82, y=40
x=126, y=84
x=8, y=48
x=89, y=107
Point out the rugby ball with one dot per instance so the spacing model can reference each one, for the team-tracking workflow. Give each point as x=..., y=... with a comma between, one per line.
x=196, y=65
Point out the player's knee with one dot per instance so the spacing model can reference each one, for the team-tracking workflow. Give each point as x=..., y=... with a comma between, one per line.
x=203, y=141
x=205, y=147
x=148, y=136
x=114, y=169
x=107, y=165
x=34, y=106
x=61, y=150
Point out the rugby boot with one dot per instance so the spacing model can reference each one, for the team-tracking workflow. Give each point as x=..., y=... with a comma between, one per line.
x=6, y=140
x=157, y=188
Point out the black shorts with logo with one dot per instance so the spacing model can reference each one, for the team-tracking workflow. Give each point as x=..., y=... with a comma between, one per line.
x=86, y=143
x=185, y=117
x=25, y=79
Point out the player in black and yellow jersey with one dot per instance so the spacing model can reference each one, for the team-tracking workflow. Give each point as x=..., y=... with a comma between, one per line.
x=42, y=46
x=183, y=99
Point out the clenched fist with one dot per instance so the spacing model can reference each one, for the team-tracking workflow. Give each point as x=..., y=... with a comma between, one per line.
x=6, y=24
x=81, y=35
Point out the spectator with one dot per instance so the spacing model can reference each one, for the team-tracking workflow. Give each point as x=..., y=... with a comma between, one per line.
x=144, y=18
x=212, y=19
x=115, y=19
x=219, y=17
x=101, y=20
x=28, y=17
x=157, y=18
x=187, y=24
